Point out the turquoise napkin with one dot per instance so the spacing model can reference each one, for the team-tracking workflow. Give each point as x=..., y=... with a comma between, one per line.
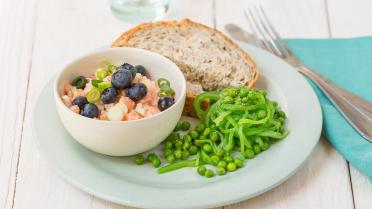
x=348, y=63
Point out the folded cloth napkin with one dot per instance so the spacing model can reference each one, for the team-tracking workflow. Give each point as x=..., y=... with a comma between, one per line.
x=348, y=63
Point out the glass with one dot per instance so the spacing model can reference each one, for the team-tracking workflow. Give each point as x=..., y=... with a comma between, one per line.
x=135, y=11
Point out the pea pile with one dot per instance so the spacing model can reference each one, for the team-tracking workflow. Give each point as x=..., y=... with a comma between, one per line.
x=238, y=124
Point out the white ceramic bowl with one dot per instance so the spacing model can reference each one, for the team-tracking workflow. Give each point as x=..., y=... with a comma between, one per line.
x=121, y=138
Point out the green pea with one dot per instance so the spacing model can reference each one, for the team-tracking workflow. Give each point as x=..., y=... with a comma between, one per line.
x=220, y=152
x=168, y=145
x=151, y=157
x=209, y=173
x=179, y=144
x=201, y=170
x=245, y=100
x=177, y=154
x=207, y=148
x=194, y=134
x=154, y=159
x=221, y=171
x=186, y=146
x=243, y=92
x=281, y=114
x=249, y=153
x=261, y=114
x=178, y=127
x=222, y=164
x=171, y=158
x=185, y=154
x=239, y=163
x=231, y=167
x=172, y=136
x=257, y=149
x=200, y=128
x=168, y=152
x=193, y=150
x=228, y=100
x=275, y=104
x=185, y=125
x=265, y=146
x=203, y=137
x=156, y=162
x=215, y=159
x=207, y=131
x=213, y=136
x=213, y=127
x=228, y=158
x=187, y=138
x=139, y=159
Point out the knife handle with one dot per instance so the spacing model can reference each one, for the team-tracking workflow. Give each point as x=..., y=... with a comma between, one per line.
x=355, y=109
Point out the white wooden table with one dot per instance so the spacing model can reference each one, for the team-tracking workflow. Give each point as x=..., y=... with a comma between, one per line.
x=38, y=36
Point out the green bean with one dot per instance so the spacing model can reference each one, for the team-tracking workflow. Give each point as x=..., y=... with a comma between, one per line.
x=177, y=165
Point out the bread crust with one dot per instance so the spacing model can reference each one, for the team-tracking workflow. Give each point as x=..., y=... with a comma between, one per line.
x=123, y=39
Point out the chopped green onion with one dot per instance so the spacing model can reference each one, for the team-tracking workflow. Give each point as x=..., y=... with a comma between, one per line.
x=96, y=82
x=79, y=82
x=104, y=85
x=93, y=95
x=101, y=73
x=163, y=82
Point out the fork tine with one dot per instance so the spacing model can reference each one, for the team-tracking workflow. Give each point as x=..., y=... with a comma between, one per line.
x=260, y=31
x=275, y=48
x=256, y=25
x=280, y=41
x=254, y=30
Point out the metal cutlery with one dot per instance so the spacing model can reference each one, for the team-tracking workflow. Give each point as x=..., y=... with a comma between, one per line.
x=355, y=109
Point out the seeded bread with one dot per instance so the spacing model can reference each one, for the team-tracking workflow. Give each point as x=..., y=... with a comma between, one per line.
x=208, y=59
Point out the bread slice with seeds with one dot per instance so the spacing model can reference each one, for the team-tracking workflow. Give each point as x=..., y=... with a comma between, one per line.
x=208, y=59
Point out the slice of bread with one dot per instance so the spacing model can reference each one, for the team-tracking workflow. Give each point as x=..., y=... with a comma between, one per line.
x=208, y=59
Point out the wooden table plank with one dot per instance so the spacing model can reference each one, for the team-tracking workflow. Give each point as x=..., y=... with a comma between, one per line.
x=66, y=29
x=350, y=19
x=317, y=184
x=16, y=37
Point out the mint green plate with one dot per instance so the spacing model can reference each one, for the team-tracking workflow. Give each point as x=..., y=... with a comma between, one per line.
x=121, y=181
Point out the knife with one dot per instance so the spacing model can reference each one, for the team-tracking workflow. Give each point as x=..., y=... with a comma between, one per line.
x=239, y=33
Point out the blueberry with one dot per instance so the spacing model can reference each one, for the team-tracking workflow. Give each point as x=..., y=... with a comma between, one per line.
x=80, y=101
x=127, y=66
x=90, y=111
x=137, y=92
x=165, y=102
x=121, y=79
x=109, y=95
x=140, y=69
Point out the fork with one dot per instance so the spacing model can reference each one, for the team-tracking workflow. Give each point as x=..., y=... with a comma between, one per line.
x=355, y=109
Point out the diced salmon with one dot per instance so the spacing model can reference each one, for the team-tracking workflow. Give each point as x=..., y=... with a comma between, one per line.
x=137, y=78
x=75, y=109
x=128, y=102
x=67, y=88
x=132, y=115
x=66, y=100
x=103, y=116
x=152, y=96
x=151, y=110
